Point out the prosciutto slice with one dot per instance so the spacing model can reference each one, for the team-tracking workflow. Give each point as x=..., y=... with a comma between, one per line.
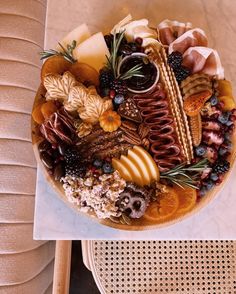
x=169, y=30
x=205, y=60
x=191, y=38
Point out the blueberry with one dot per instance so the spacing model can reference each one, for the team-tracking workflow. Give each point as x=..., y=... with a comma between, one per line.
x=209, y=185
x=213, y=100
x=228, y=144
x=214, y=177
x=119, y=99
x=224, y=117
x=229, y=123
x=222, y=151
x=227, y=136
x=107, y=168
x=200, y=150
x=98, y=163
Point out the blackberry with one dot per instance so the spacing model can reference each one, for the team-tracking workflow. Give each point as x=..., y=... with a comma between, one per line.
x=71, y=155
x=181, y=73
x=105, y=78
x=119, y=87
x=221, y=166
x=175, y=59
x=75, y=169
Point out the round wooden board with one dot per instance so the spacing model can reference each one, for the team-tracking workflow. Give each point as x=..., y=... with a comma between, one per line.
x=140, y=224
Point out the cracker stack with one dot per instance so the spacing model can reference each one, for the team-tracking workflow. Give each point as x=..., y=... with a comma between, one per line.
x=175, y=100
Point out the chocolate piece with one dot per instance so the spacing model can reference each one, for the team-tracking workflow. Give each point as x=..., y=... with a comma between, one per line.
x=129, y=110
x=133, y=201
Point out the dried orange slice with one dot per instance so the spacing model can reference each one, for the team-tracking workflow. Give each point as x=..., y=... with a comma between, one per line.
x=194, y=103
x=48, y=109
x=187, y=199
x=85, y=73
x=164, y=208
x=54, y=65
x=37, y=114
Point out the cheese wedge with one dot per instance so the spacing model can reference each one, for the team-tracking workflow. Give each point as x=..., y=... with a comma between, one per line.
x=79, y=34
x=92, y=51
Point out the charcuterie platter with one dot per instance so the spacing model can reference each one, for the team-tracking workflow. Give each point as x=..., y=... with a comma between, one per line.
x=135, y=127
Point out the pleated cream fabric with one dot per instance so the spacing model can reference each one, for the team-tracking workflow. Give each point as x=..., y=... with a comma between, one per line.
x=26, y=266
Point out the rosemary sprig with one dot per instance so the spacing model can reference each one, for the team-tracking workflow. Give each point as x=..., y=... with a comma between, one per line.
x=114, y=60
x=185, y=175
x=132, y=72
x=67, y=53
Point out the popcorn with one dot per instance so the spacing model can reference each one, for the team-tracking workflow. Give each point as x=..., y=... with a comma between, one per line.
x=96, y=195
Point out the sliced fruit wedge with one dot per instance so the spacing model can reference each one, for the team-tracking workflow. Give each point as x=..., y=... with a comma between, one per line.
x=132, y=168
x=54, y=65
x=122, y=169
x=164, y=208
x=141, y=166
x=149, y=162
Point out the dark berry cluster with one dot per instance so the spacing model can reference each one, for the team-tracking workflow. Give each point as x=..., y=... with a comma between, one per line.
x=221, y=166
x=74, y=166
x=175, y=62
x=175, y=59
x=119, y=86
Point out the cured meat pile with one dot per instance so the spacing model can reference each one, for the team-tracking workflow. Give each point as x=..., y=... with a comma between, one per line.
x=156, y=114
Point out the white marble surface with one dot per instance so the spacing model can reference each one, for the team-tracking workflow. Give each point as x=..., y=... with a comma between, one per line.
x=53, y=219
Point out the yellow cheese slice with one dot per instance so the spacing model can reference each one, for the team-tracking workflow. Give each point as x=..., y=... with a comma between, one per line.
x=92, y=51
x=79, y=34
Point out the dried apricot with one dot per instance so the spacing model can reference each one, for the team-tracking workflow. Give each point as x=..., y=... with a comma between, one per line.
x=194, y=103
x=37, y=114
x=54, y=65
x=48, y=109
x=225, y=88
x=228, y=102
x=85, y=73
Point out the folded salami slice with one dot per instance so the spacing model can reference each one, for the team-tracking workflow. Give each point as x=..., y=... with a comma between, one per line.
x=205, y=60
x=170, y=30
x=191, y=38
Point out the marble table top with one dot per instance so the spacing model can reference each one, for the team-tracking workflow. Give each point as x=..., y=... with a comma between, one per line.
x=53, y=219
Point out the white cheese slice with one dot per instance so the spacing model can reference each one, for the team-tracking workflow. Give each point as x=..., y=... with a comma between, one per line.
x=92, y=51
x=79, y=34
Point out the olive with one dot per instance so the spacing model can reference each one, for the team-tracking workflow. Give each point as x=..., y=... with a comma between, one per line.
x=59, y=171
x=133, y=46
x=62, y=148
x=44, y=146
x=47, y=160
x=126, y=50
